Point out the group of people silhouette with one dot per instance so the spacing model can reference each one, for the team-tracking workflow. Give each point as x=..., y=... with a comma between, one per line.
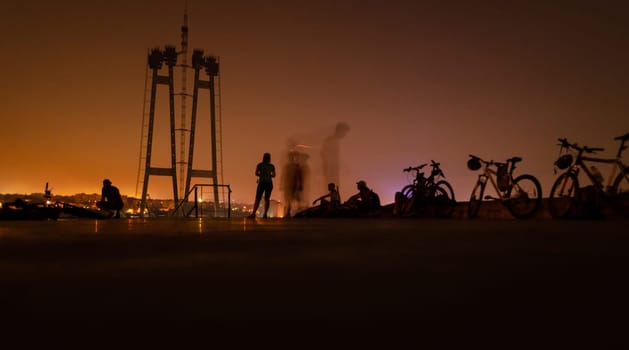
x=364, y=203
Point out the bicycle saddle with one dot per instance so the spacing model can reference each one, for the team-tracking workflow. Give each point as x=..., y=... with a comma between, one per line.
x=514, y=160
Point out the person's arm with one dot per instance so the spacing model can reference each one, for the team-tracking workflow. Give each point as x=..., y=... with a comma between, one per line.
x=353, y=198
x=321, y=198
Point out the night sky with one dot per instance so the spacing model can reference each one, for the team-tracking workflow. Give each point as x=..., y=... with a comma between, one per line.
x=414, y=80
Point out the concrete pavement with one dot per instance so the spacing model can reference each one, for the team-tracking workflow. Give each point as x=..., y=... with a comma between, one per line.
x=362, y=273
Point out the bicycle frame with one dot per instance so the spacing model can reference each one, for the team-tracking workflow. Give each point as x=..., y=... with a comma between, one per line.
x=618, y=165
x=579, y=164
x=569, y=198
x=421, y=182
x=521, y=195
x=491, y=174
x=419, y=179
x=428, y=193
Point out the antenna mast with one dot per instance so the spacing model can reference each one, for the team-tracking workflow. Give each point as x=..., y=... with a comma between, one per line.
x=183, y=128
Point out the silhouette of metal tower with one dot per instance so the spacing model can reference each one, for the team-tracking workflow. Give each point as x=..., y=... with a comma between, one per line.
x=181, y=165
x=210, y=66
x=156, y=59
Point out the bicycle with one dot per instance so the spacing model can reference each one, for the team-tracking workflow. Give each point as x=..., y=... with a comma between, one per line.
x=567, y=199
x=426, y=195
x=522, y=196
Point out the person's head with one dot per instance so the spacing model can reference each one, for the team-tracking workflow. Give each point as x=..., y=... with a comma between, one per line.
x=266, y=158
x=293, y=157
x=331, y=186
x=361, y=185
x=341, y=130
x=106, y=182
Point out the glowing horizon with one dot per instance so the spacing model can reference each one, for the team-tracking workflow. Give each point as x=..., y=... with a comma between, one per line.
x=415, y=81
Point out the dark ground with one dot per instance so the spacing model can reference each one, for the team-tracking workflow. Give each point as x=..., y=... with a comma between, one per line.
x=526, y=278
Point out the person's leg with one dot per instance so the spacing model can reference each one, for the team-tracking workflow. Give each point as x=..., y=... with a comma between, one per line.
x=256, y=204
x=106, y=207
x=287, y=202
x=266, y=208
x=267, y=199
x=255, y=208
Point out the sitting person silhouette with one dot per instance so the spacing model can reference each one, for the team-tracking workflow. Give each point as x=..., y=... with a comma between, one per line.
x=365, y=202
x=329, y=202
x=110, y=199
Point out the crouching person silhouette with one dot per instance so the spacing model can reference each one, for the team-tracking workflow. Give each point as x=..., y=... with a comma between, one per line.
x=110, y=199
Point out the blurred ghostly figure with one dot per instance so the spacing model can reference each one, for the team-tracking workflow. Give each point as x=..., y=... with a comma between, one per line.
x=330, y=151
x=293, y=182
x=305, y=178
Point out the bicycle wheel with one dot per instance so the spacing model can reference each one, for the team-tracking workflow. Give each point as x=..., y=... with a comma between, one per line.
x=562, y=199
x=448, y=188
x=408, y=191
x=476, y=199
x=443, y=200
x=525, y=197
x=405, y=201
x=621, y=188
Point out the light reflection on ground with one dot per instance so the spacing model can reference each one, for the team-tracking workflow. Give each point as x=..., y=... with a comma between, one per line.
x=334, y=270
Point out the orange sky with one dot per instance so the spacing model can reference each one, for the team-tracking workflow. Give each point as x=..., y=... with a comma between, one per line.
x=414, y=80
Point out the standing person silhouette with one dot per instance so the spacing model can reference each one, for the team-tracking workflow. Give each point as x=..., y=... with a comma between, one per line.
x=265, y=171
x=110, y=199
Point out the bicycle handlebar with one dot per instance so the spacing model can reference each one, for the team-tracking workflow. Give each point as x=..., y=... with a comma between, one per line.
x=624, y=137
x=565, y=144
x=416, y=168
x=492, y=162
x=435, y=168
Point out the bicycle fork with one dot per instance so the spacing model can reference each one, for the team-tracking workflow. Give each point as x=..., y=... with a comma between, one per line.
x=566, y=180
